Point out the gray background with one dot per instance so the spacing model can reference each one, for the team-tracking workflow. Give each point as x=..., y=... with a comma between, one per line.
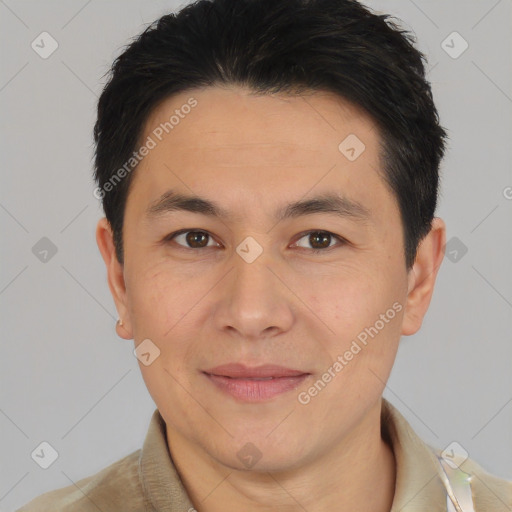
x=67, y=379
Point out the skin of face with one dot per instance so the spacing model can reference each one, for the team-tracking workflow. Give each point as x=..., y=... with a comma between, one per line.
x=207, y=305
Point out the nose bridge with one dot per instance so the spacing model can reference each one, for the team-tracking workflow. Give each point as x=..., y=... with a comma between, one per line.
x=253, y=300
x=252, y=277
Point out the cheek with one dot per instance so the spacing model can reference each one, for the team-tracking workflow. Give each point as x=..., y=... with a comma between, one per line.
x=347, y=301
x=160, y=301
x=162, y=310
x=363, y=312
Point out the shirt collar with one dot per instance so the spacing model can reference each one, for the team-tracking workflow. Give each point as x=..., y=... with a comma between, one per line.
x=162, y=486
x=418, y=487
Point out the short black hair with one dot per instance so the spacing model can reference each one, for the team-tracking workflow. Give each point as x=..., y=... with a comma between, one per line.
x=280, y=46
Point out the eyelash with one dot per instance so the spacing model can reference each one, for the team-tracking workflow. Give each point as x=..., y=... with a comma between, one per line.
x=340, y=239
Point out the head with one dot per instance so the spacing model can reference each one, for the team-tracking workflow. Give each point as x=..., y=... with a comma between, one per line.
x=269, y=176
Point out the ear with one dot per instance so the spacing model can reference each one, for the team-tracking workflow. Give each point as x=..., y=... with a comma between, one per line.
x=115, y=276
x=422, y=277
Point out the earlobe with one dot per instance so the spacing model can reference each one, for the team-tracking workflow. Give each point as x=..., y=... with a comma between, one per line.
x=115, y=276
x=422, y=277
x=122, y=332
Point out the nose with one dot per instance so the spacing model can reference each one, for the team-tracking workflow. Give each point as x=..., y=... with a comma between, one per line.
x=254, y=301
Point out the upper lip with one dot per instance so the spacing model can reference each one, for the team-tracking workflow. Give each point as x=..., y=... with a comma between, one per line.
x=238, y=370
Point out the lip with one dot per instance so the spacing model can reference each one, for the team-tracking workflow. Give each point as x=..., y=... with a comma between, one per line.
x=241, y=382
x=238, y=371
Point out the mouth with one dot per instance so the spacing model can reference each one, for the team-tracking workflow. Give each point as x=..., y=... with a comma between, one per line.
x=256, y=384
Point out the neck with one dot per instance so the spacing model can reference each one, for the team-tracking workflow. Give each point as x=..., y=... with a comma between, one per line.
x=356, y=474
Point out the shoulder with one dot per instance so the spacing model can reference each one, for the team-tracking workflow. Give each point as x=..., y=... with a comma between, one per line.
x=490, y=493
x=116, y=487
x=463, y=477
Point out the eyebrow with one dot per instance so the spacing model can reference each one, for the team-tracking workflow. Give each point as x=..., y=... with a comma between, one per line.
x=325, y=203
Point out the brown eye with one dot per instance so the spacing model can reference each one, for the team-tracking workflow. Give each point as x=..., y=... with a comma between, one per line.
x=191, y=239
x=319, y=240
x=196, y=239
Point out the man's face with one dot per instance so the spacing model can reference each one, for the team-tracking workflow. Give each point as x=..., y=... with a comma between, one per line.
x=248, y=288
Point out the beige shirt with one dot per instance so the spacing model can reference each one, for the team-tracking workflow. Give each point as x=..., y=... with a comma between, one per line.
x=147, y=481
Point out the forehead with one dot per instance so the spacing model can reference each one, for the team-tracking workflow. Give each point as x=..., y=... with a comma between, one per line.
x=246, y=147
x=240, y=122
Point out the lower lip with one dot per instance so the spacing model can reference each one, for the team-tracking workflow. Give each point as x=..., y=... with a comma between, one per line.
x=256, y=390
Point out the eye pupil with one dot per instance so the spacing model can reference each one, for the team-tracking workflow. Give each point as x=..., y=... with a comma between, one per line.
x=325, y=237
x=193, y=236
